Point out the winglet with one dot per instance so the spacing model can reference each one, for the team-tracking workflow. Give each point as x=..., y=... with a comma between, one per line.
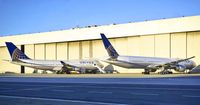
x=108, y=46
x=63, y=63
x=191, y=57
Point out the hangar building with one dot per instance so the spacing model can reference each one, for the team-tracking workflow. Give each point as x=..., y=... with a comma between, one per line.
x=173, y=38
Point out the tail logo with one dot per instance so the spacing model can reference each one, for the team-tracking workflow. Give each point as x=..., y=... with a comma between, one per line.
x=112, y=52
x=17, y=54
x=110, y=49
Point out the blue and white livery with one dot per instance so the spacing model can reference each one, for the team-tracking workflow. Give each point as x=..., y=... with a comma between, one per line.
x=149, y=64
x=57, y=66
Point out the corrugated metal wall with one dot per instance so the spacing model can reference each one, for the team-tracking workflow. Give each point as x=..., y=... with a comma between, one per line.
x=174, y=45
x=30, y=52
x=62, y=51
x=193, y=45
x=147, y=45
x=50, y=51
x=85, y=46
x=5, y=65
x=40, y=51
x=162, y=45
x=74, y=50
x=178, y=45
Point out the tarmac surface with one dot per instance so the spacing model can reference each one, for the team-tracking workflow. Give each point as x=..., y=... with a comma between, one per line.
x=86, y=90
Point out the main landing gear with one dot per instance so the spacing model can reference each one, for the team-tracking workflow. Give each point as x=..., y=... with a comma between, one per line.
x=64, y=71
x=35, y=71
x=44, y=72
x=165, y=72
x=146, y=71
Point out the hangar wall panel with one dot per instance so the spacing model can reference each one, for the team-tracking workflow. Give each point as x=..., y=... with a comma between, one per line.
x=178, y=45
x=74, y=50
x=133, y=49
x=98, y=49
x=62, y=51
x=133, y=46
x=50, y=51
x=112, y=41
x=29, y=51
x=90, y=49
x=147, y=45
x=5, y=65
x=40, y=51
x=162, y=45
x=85, y=49
x=193, y=46
x=121, y=45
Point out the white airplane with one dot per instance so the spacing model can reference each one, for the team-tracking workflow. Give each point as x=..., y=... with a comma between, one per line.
x=56, y=66
x=149, y=64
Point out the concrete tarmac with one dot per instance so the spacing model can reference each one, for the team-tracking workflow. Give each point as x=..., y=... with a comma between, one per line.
x=184, y=90
x=120, y=75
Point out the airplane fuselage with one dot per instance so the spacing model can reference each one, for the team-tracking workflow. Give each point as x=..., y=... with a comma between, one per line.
x=55, y=65
x=141, y=62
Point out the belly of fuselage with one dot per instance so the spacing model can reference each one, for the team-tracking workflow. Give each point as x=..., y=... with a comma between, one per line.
x=128, y=64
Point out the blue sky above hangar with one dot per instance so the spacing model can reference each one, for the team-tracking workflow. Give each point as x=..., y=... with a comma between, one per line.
x=30, y=16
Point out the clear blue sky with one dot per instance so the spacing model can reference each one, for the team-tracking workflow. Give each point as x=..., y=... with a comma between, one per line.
x=30, y=16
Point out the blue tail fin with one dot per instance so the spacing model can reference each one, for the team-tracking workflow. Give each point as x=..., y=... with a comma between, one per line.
x=15, y=53
x=108, y=46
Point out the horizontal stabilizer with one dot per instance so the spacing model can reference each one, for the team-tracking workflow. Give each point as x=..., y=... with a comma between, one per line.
x=195, y=69
x=100, y=69
x=6, y=60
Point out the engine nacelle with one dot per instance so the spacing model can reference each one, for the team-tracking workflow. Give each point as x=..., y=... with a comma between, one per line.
x=180, y=68
x=151, y=68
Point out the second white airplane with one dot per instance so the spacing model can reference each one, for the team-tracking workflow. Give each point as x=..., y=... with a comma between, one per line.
x=149, y=64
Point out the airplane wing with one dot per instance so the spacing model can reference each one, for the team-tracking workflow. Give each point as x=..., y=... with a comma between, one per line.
x=195, y=69
x=180, y=60
x=173, y=62
x=6, y=60
x=65, y=68
x=67, y=65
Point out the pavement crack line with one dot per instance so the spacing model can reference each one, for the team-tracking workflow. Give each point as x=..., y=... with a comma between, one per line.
x=100, y=92
x=63, y=100
x=145, y=94
x=191, y=96
x=63, y=90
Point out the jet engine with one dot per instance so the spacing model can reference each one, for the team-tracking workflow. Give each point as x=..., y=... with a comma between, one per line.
x=151, y=68
x=180, y=68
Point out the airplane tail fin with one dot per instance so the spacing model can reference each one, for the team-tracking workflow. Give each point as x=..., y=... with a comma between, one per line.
x=108, y=46
x=15, y=53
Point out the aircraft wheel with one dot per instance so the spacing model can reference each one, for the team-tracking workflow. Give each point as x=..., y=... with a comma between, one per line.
x=169, y=72
x=68, y=72
x=35, y=71
x=59, y=72
x=146, y=72
x=165, y=72
x=44, y=72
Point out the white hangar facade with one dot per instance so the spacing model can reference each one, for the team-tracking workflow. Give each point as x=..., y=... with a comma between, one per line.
x=172, y=38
